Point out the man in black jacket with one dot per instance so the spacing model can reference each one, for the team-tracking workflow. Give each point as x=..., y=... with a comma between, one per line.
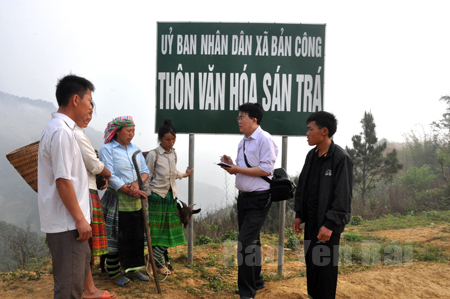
x=323, y=202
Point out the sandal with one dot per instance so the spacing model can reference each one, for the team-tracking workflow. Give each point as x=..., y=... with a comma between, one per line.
x=169, y=266
x=123, y=282
x=106, y=295
x=140, y=277
x=163, y=270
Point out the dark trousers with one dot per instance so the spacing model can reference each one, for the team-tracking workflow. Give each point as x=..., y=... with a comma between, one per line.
x=70, y=263
x=252, y=211
x=131, y=240
x=322, y=260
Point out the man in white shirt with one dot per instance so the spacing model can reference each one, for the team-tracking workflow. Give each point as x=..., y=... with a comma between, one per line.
x=64, y=204
x=256, y=157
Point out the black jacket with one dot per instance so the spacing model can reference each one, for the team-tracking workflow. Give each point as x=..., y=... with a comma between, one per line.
x=335, y=193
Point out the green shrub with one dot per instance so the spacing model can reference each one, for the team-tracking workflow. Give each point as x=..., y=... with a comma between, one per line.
x=289, y=232
x=418, y=179
x=356, y=220
x=293, y=242
x=433, y=199
x=231, y=235
x=202, y=240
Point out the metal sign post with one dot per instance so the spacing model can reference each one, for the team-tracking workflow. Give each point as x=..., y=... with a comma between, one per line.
x=191, y=200
x=282, y=211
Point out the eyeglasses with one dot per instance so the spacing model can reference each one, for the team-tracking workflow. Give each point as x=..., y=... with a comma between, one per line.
x=241, y=118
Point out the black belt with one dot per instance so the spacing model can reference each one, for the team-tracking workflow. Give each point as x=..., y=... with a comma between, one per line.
x=253, y=193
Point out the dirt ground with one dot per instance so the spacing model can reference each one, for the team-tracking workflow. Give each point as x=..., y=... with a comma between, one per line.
x=407, y=280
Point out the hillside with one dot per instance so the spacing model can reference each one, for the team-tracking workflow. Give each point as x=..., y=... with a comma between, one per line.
x=418, y=267
x=23, y=121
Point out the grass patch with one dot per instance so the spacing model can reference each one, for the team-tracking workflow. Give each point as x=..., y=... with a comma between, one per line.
x=182, y=258
x=352, y=237
x=397, y=221
x=424, y=253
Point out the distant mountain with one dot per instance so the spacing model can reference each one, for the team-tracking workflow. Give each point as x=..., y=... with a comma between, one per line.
x=22, y=122
x=206, y=196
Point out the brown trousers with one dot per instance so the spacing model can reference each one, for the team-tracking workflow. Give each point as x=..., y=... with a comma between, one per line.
x=70, y=261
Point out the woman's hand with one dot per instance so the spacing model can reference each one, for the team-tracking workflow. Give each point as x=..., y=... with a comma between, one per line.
x=135, y=185
x=188, y=172
x=131, y=190
x=135, y=192
x=134, y=188
x=140, y=194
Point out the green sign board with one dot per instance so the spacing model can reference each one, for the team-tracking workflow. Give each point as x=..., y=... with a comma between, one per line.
x=205, y=71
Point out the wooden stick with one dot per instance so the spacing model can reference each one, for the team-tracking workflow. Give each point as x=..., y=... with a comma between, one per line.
x=146, y=227
x=149, y=244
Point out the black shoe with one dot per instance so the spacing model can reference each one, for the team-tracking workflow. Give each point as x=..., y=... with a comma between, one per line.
x=257, y=288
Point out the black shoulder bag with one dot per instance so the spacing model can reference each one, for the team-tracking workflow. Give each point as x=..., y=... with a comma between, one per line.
x=281, y=187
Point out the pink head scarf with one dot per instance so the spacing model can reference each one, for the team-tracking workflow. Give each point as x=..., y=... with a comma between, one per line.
x=115, y=124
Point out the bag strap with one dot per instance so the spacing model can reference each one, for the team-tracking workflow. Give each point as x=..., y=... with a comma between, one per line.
x=156, y=157
x=154, y=163
x=248, y=165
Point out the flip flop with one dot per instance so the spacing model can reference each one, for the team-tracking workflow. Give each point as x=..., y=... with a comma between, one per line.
x=123, y=282
x=140, y=277
x=106, y=295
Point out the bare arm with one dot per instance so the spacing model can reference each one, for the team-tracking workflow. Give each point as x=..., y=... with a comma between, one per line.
x=69, y=199
x=105, y=172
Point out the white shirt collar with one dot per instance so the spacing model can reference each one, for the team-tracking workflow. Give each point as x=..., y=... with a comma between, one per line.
x=255, y=134
x=162, y=151
x=78, y=128
x=69, y=122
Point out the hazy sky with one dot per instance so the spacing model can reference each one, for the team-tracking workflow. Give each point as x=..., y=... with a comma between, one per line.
x=389, y=57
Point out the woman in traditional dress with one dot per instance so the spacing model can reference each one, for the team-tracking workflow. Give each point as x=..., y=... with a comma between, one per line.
x=98, y=242
x=121, y=203
x=165, y=226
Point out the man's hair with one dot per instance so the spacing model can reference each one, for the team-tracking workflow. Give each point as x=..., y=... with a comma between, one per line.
x=254, y=110
x=324, y=119
x=69, y=86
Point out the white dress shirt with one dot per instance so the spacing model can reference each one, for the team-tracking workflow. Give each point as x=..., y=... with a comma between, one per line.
x=261, y=151
x=59, y=156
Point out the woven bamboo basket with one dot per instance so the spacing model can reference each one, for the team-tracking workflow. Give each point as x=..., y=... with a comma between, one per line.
x=25, y=160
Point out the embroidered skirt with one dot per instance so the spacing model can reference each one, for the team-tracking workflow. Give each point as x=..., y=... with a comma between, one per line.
x=98, y=242
x=166, y=228
x=125, y=230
